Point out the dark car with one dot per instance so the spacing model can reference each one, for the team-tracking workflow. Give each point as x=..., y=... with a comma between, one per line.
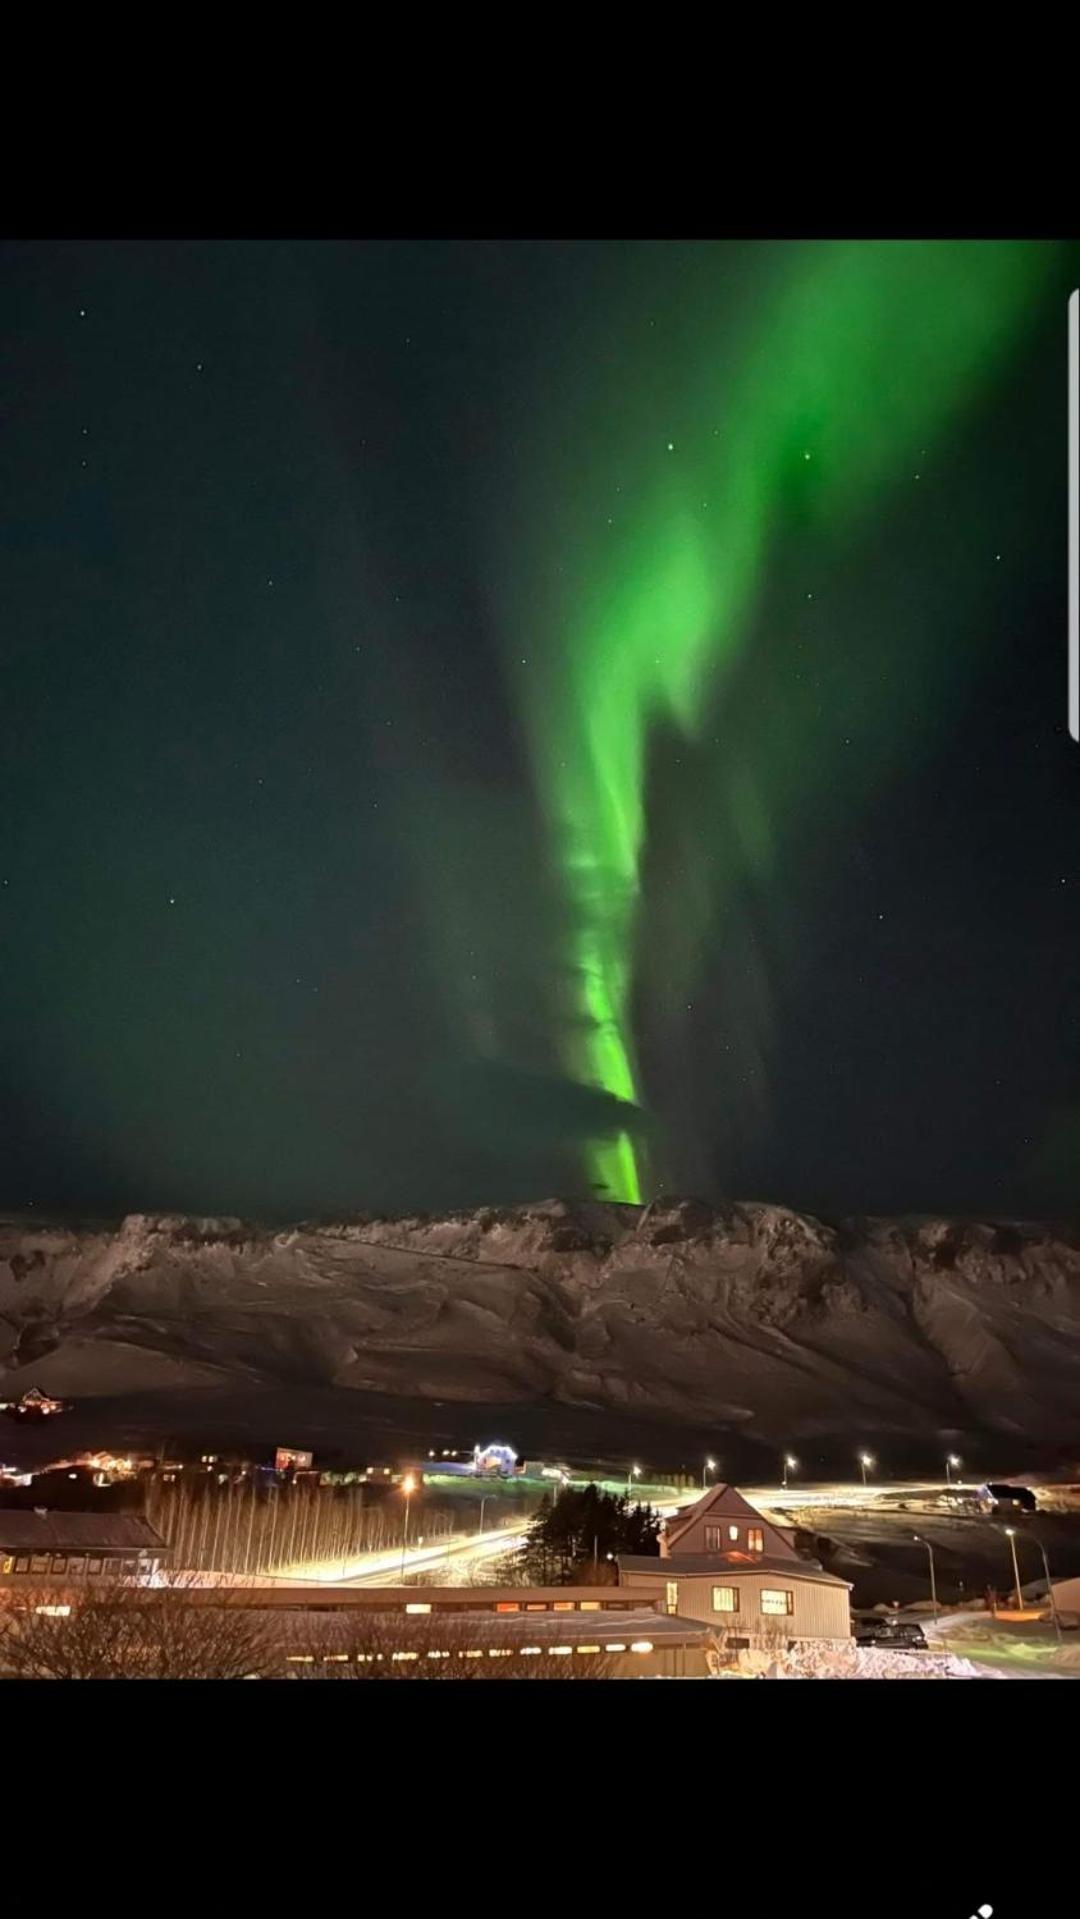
x=1003, y=1498
x=904, y=1635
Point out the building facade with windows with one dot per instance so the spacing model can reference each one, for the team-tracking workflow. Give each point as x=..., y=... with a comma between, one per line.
x=40, y=1545
x=725, y=1564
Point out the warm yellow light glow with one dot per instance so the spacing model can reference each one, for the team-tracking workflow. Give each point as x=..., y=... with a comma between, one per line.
x=408, y=1484
x=641, y=1645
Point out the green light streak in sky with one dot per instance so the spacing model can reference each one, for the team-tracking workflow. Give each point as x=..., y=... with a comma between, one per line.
x=854, y=362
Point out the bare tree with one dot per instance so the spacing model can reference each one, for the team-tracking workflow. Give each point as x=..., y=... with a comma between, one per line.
x=125, y=1632
x=384, y=1646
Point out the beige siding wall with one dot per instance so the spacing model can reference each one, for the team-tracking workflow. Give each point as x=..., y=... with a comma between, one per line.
x=821, y=1612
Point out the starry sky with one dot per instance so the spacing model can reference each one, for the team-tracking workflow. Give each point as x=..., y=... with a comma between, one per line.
x=495, y=719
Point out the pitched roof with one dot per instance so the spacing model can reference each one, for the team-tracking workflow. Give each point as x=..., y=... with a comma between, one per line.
x=60, y=1532
x=725, y=1501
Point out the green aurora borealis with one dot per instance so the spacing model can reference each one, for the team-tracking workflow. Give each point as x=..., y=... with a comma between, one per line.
x=491, y=720
x=860, y=360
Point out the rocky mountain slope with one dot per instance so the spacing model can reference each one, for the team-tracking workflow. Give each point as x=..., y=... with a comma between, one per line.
x=740, y=1316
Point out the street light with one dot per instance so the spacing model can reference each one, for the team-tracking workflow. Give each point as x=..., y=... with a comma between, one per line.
x=952, y=1464
x=634, y=1473
x=408, y=1487
x=933, y=1579
x=866, y=1460
x=1050, y=1590
x=790, y=1465
x=709, y=1467
x=1010, y=1534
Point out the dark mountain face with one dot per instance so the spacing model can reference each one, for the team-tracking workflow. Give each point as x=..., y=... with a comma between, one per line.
x=744, y=1318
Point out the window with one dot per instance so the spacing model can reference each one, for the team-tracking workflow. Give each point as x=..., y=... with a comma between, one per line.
x=755, y=1539
x=59, y=1563
x=713, y=1542
x=672, y=1595
x=733, y=1532
x=93, y=1565
x=77, y=1563
x=39, y=1563
x=22, y=1564
x=774, y=1601
x=725, y=1599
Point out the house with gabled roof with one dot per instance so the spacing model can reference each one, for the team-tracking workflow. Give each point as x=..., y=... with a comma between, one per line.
x=724, y=1562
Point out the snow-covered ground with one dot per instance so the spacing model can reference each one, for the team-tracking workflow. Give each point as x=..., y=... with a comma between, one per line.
x=849, y=1661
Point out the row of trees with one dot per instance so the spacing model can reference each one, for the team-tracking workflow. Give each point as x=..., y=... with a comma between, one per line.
x=245, y=1528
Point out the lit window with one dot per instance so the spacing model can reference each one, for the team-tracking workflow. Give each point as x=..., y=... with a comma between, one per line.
x=713, y=1539
x=725, y=1599
x=528, y=1651
x=39, y=1563
x=562, y=1652
x=418, y=1606
x=59, y=1563
x=616, y=1645
x=54, y=1612
x=773, y=1601
x=563, y=1605
x=404, y=1655
x=672, y=1595
x=589, y=1605
x=641, y=1645
x=755, y=1539
x=301, y=1658
x=733, y=1532
x=588, y=1649
x=500, y=1652
x=22, y=1564
x=508, y=1605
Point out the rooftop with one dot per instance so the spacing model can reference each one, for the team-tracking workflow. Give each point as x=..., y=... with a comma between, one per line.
x=60, y=1532
x=721, y=1567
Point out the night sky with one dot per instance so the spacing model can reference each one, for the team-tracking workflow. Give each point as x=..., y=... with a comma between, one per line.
x=500, y=719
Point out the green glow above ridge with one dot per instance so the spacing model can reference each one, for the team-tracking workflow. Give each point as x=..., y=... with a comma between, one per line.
x=854, y=363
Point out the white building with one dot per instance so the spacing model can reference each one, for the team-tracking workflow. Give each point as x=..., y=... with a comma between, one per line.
x=722, y=1562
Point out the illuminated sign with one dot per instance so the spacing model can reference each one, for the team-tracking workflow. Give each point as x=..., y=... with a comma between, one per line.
x=288, y=1460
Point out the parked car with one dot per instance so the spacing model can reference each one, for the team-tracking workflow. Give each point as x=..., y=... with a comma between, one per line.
x=900, y=1634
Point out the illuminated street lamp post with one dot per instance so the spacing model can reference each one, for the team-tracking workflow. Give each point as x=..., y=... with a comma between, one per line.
x=866, y=1460
x=408, y=1487
x=952, y=1464
x=634, y=1473
x=933, y=1579
x=1010, y=1534
x=708, y=1467
x=790, y=1464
